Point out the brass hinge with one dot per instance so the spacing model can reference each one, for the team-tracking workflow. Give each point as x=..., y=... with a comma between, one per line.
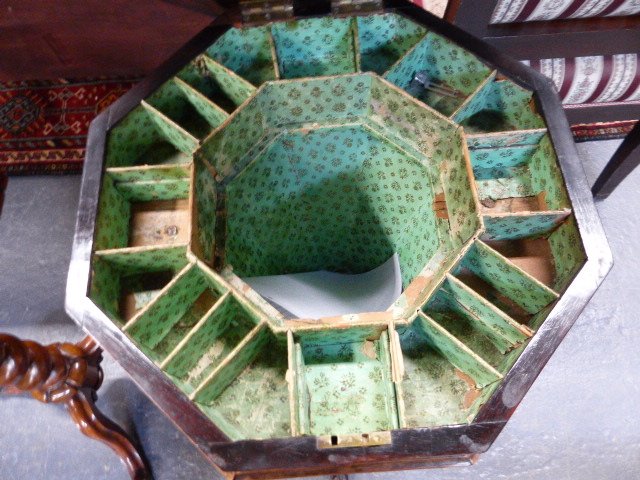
x=261, y=11
x=356, y=6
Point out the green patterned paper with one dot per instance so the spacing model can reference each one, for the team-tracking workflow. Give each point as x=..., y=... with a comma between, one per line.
x=152, y=324
x=505, y=139
x=384, y=39
x=527, y=225
x=315, y=47
x=445, y=304
x=233, y=365
x=498, y=326
x=149, y=174
x=501, y=157
x=400, y=116
x=463, y=325
x=547, y=177
x=223, y=329
x=248, y=52
x=461, y=204
x=445, y=64
x=155, y=190
x=206, y=199
x=505, y=277
x=432, y=391
x=112, y=220
x=171, y=132
x=316, y=101
x=212, y=113
x=256, y=404
x=233, y=86
x=568, y=253
x=499, y=106
x=368, y=193
x=348, y=388
x=131, y=138
x=142, y=259
x=142, y=271
x=456, y=352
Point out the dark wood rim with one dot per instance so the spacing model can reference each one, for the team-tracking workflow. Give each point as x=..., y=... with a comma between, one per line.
x=457, y=443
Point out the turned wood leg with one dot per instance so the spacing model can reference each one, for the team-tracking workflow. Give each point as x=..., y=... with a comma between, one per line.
x=625, y=159
x=69, y=374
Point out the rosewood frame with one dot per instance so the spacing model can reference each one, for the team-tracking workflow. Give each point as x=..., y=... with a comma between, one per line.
x=410, y=448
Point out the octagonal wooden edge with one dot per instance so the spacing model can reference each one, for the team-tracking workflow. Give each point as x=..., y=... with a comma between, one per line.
x=410, y=448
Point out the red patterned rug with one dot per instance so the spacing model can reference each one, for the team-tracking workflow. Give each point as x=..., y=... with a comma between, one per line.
x=44, y=124
x=601, y=131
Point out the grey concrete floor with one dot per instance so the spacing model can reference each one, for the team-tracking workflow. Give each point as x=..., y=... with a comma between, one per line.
x=579, y=421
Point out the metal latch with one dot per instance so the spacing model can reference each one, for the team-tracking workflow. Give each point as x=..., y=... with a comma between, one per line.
x=355, y=440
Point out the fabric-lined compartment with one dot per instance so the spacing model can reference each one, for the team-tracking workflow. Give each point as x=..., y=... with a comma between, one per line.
x=343, y=384
x=187, y=107
x=445, y=66
x=256, y=404
x=213, y=385
x=433, y=390
x=249, y=52
x=142, y=213
x=177, y=308
x=384, y=39
x=315, y=47
x=123, y=282
x=456, y=298
x=208, y=343
x=502, y=283
x=519, y=179
x=145, y=137
x=217, y=83
x=498, y=106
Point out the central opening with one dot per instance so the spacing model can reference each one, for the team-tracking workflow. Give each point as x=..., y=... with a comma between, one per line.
x=341, y=199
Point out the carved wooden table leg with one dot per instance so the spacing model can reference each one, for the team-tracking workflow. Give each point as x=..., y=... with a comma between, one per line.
x=69, y=374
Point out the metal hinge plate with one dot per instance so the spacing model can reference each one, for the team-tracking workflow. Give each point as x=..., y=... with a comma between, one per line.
x=261, y=11
x=342, y=7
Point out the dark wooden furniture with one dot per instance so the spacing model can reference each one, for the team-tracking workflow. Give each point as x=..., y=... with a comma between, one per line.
x=621, y=164
x=69, y=374
x=89, y=38
x=408, y=447
x=561, y=38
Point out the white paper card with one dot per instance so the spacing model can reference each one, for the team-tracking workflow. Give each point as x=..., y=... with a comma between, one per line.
x=327, y=294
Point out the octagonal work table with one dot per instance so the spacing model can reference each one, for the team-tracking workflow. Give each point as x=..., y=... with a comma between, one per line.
x=333, y=143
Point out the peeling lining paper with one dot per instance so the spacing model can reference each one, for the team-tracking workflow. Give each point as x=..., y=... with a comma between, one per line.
x=327, y=294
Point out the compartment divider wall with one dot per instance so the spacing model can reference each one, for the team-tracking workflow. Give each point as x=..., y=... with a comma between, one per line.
x=356, y=44
x=503, y=338
x=193, y=331
x=494, y=319
x=384, y=355
x=292, y=379
x=511, y=226
x=211, y=112
x=171, y=131
x=524, y=277
x=302, y=392
x=237, y=360
x=146, y=316
x=457, y=352
x=234, y=86
x=475, y=97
